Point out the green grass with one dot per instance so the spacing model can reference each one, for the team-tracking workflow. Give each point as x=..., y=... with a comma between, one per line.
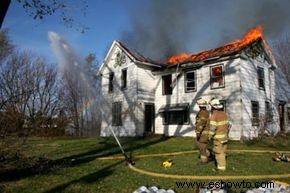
x=71, y=165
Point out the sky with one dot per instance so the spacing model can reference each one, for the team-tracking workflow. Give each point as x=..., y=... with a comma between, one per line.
x=155, y=28
x=105, y=20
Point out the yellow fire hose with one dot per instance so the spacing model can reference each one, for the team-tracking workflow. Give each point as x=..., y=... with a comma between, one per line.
x=190, y=177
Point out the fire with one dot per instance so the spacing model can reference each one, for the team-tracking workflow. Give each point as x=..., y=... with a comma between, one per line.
x=252, y=36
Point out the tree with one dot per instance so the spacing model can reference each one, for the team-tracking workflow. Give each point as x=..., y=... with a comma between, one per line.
x=40, y=9
x=80, y=87
x=3, y=9
x=282, y=55
x=6, y=46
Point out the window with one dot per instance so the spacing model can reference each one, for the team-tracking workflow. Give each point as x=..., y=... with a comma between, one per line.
x=166, y=83
x=124, y=79
x=190, y=81
x=261, y=83
x=223, y=102
x=176, y=114
x=116, y=114
x=217, y=76
x=255, y=113
x=111, y=79
x=268, y=112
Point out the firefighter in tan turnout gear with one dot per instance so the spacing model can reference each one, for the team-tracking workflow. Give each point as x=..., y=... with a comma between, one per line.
x=219, y=125
x=201, y=130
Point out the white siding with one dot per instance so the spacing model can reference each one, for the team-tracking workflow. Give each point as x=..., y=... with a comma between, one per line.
x=127, y=97
x=230, y=93
x=251, y=92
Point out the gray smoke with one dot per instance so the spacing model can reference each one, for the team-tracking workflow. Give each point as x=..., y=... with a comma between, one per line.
x=162, y=28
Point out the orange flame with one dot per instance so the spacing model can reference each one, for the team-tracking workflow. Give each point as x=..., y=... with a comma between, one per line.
x=252, y=36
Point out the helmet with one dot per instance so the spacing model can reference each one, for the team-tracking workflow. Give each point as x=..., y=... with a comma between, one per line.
x=201, y=102
x=215, y=103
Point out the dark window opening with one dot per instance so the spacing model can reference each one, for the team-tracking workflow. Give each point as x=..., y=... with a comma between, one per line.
x=268, y=112
x=176, y=115
x=255, y=113
x=116, y=114
x=217, y=76
x=261, y=78
x=124, y=79
x=166, y=82
x=223, y=102
x=111, y=79
x=190, y=81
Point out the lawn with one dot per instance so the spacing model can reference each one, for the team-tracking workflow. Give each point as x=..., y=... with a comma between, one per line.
x=51, y=165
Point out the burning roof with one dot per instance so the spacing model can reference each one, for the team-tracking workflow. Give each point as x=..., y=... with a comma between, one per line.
x=252, y=36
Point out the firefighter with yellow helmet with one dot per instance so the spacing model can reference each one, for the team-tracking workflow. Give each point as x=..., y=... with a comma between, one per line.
x=218, y=131
x=202, y=129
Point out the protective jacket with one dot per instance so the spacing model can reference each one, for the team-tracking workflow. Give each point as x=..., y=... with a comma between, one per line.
x=202, y=122
x=219, y=125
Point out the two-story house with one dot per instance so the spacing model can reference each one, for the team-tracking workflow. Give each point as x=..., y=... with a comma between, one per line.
x=140, y=95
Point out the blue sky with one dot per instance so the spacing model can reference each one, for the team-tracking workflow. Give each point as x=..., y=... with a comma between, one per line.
x=194, y=25
x=105, y=19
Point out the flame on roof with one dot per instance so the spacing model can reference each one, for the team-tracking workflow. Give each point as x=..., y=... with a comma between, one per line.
x=253, y=35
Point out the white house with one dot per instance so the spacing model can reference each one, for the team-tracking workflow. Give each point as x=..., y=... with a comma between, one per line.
x=141, y=96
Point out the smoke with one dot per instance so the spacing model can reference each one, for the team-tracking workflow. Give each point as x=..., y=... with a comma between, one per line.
x=162, y=28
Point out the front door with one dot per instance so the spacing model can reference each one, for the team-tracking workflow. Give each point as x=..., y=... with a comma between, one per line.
x=149, y=118
x=282, y=116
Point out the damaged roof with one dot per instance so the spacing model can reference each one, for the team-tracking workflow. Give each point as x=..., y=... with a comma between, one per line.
x=234, y=47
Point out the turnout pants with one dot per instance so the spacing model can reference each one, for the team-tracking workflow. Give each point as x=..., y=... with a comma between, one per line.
x=202, y=144
x=220, y=147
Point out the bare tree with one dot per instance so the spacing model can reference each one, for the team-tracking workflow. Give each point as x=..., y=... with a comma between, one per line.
x=6, y=46
x=282, y=54
x=40, y=9
x=79, y=95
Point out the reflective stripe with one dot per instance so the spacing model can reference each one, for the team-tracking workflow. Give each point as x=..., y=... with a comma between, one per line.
x=220, y=136
x=211, y=132
x=219, y=123
x=221, y=167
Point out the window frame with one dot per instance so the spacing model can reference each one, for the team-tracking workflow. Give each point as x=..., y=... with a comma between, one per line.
x=117, y=114
x=169, y=114
x=222, y=75
x=111, y=82
x=255, y=115
x=186, y=82
x=167, y=91
x=261, y=69
x=124, y=82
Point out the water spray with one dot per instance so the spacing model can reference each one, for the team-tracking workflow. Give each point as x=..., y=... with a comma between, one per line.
x=127, y=159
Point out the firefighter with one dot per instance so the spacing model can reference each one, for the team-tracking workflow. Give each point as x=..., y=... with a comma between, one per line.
x=218, y=131
x=201, y=130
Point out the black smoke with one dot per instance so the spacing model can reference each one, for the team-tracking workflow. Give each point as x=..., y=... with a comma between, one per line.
x=162, y=28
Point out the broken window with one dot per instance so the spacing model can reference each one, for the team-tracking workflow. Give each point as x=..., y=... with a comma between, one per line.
x=190, y=81
x=175, y=114
x=116, y=114
x=166, y=83
x=255, y=113
x=268, y=111
x=111, y=79
x=261, y=78
x=217, y=76
x=124, y=79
